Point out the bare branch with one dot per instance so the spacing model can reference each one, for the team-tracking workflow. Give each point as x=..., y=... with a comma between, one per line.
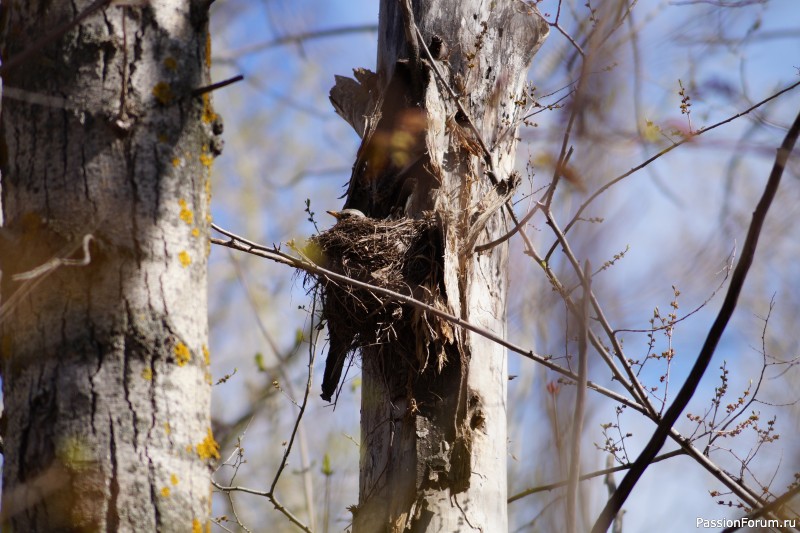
x=509, y=234
x=590, y=475
x=239, y=243
x=774, y=505
x=741, y=490
x=718, y=327
x=312, y=349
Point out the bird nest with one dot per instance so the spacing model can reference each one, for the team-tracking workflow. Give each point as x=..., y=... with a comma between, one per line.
x=404, y=256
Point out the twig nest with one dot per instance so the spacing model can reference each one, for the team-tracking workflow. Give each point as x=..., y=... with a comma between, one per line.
x=404, y=256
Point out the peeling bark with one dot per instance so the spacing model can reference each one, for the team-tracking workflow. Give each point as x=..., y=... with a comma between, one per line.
x=106, y=387
x=434, y=440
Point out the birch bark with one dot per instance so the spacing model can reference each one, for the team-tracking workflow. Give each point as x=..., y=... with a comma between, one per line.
x=106, y=155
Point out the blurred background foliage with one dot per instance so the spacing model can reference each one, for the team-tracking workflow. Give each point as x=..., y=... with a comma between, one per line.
x=670, y=69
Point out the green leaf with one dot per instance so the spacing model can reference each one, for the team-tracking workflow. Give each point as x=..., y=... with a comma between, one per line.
x=260, y=362
x=326, y=465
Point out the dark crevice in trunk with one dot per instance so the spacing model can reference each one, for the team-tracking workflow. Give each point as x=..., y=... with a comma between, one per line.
x=112, y=513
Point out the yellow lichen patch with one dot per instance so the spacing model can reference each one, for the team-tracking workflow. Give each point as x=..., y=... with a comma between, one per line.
x=167, y=428
x=74, y=454
x=196, y=526
x=173, y=479
x=165, y=492
x=205, y=158
x=185, y=258
x=208, y=449
x=182, y=354
x=171, y=63
x=209, y=378
x=186, y=214
x=147, y=374
x=176, y=162
x=189, y=448
x=163, y=93
x=195, y=232
x=206, y=355
x=208, y=110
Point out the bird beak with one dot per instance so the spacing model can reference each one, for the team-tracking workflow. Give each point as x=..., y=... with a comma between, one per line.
x=335, y=214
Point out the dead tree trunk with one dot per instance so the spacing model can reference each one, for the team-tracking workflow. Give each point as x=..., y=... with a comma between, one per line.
x=433, y=425
x=106, y=149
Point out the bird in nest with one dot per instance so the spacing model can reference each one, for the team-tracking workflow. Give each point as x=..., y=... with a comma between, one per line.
x=337, y=348
x=347, y=214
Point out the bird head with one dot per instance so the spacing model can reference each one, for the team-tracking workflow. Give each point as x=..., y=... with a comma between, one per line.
x=347, y=214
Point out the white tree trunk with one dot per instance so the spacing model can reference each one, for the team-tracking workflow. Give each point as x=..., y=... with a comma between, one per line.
x=105, y=371
x=434, y=441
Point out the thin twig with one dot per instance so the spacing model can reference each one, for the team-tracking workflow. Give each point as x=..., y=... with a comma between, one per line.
x=556, y=24
x=590, y=475
x=747, y=495
x=509, y=234
x=292, y=518
x=312, y=348
x=214, y=86
x=287, y=383
x=288, y=450
x=561, y=30
x=727, y=269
